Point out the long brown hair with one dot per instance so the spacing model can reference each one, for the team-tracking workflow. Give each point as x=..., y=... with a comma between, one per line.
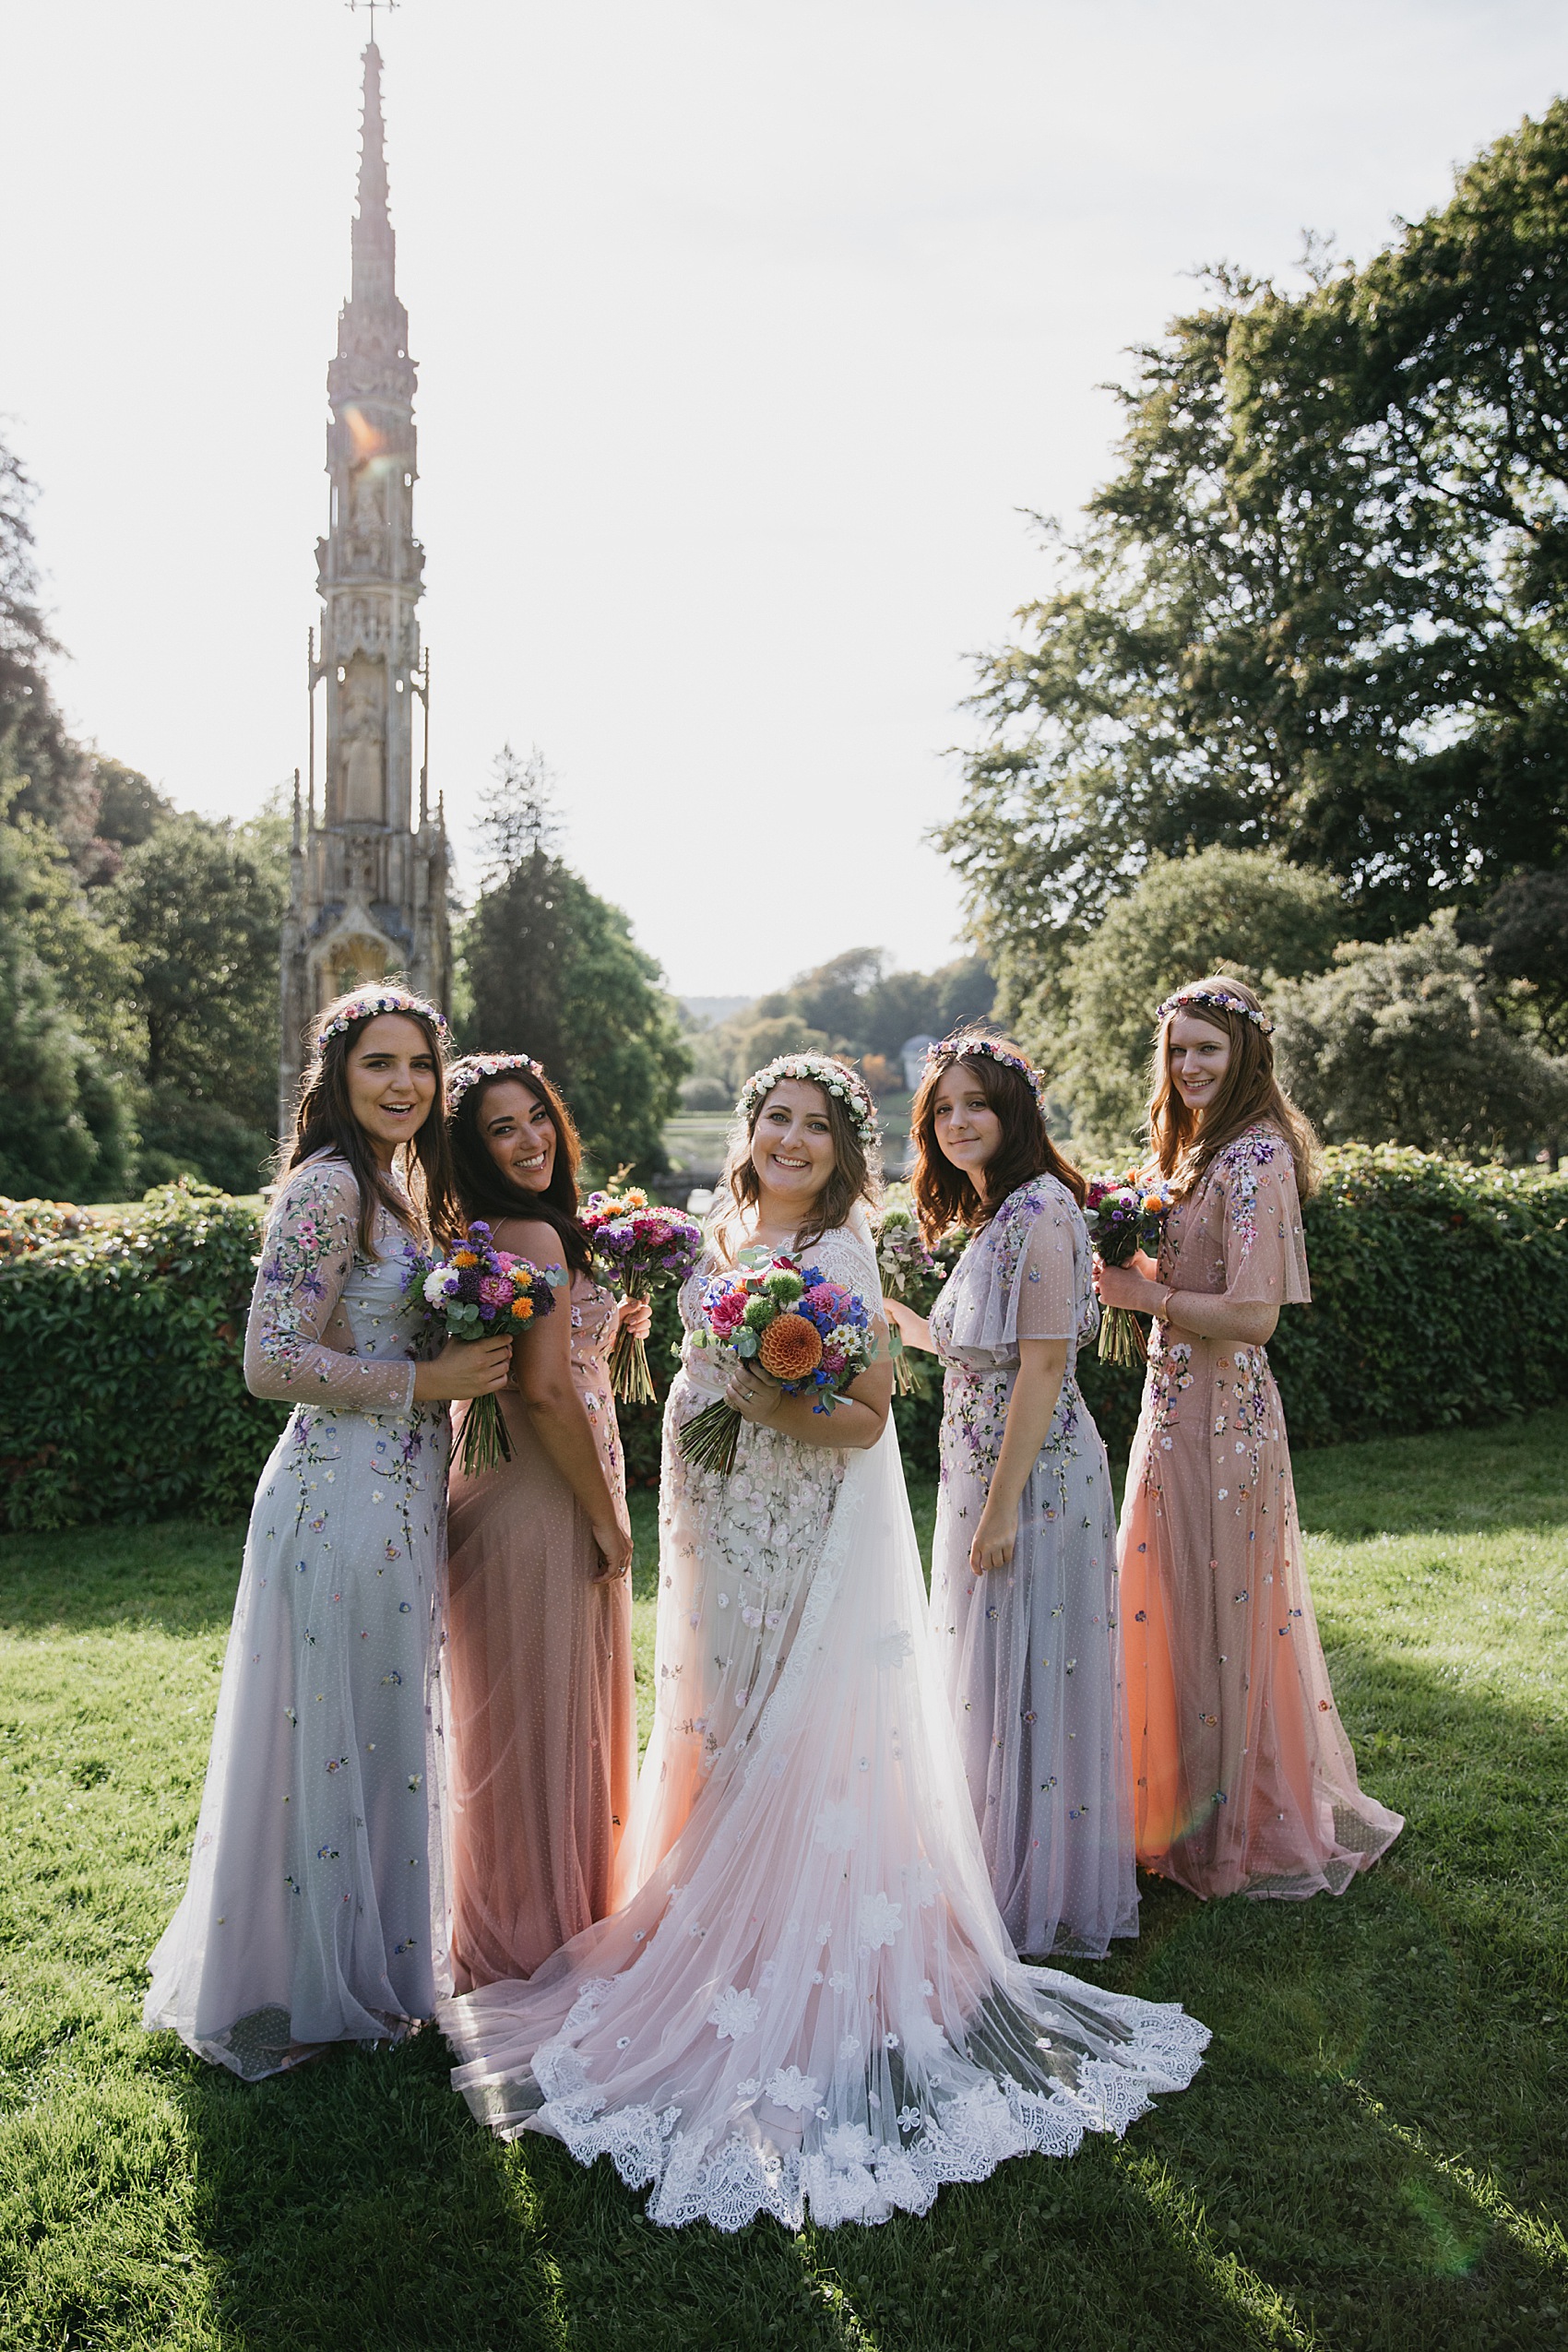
x=325, y=1119
x=944, y=1194
x=484, y=1188
x=857, y=1175
x=1186, y=1143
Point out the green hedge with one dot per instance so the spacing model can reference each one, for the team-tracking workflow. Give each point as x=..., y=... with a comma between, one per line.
x=1441, y=1296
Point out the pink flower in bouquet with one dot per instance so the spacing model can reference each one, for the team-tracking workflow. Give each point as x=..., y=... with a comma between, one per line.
x=496, y=1290
x=825, y=1298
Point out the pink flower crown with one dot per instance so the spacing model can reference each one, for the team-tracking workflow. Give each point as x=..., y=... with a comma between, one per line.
x=463, y=1075
x=965, y=1049
x=819, y=1070
x=365, y=1006
x=1217, y=996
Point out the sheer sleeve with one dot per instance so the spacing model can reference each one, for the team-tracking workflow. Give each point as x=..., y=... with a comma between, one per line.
x=1266, y=1255
x=305, y=1257
x=1051, y=1272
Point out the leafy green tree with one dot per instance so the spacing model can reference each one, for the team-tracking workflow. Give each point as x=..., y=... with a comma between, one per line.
x=65, y=1132
x=1525, y=930
x=199, y=903
x=1239, y=911
x=44, y=771
x=1400, y=1042
x=1323, y=606
x=551, y=969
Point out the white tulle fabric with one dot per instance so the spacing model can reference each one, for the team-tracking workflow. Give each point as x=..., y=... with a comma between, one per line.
x=810, y=2003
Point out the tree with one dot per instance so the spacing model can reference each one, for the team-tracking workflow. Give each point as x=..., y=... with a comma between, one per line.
x=44, y=769
x=551, y=969
x=1239, y=911
x=199, y=903
x=66, y=1132
x=1525, y=930
x=1323, y=607
x=1399, y=1043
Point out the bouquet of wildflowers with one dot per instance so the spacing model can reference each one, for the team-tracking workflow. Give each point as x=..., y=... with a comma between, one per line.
x=914, y=1276
x=477, y=1293
x=641, y=1247
x=803, y=1331
x=1123, y=1216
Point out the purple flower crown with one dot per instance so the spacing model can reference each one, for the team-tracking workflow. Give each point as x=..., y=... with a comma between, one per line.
x=466, y=1074
x=370, y=1002
x=820, y=1070
x=1217, y=996
x=965, y=1049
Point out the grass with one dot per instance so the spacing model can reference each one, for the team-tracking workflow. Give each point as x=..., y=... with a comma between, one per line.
x=1373, y=2156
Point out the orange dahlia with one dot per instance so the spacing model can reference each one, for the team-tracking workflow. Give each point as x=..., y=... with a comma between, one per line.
x=791, y=1347
x=522, y=1310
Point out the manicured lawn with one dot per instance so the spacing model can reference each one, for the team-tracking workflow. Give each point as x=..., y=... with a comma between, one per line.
x=1374, y=2155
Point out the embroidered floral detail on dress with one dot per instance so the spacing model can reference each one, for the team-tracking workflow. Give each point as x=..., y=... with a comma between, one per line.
x=734, y=2012
x=879, y=1920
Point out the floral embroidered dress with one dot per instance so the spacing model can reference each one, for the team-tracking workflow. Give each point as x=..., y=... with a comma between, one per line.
x=1244, y=1781
x=1031, y=1653
x=810, y=2002
x=541, y=1715
x=314, y=1911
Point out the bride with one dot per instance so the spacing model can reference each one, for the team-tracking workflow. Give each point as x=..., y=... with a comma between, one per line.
x=807, y=1998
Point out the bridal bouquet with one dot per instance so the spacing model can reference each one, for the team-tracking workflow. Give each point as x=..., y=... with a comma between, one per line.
x=641, y=1247
x=914, y=1274
x=477, y=1293
x=803, y=1331
x=1123, y=1219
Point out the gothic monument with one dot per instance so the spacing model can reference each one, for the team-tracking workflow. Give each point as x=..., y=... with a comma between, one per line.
x=368, y=895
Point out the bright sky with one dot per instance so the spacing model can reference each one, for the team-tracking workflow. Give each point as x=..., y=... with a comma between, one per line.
x=744, y=332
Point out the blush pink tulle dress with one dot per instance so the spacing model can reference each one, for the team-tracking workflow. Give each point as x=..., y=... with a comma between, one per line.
x=541, y=1725
x=1244, y=1780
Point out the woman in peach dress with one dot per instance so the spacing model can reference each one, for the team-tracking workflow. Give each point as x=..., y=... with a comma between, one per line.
x=1244, y=1780
x=541, y=1726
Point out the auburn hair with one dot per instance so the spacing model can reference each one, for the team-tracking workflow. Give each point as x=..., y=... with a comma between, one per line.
x=484, y=1188
x=944, y=1194
x=1186, y=1143
x=857, y=1175
x=325, y=1121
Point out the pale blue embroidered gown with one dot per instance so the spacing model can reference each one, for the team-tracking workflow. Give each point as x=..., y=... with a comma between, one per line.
x=315, y=1909
x=1031, y=1653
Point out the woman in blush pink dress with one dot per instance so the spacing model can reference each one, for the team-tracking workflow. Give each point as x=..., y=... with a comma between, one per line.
x=1244, y=1779
x=542, y=1737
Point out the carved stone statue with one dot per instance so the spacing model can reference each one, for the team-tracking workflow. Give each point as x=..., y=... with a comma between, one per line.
x=362, y=735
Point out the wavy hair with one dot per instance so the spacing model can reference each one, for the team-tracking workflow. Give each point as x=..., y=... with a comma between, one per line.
x=1186, y=1143
x=944, y=1194
x=857, y=1172
x=486, y=1192
x=325, y=1121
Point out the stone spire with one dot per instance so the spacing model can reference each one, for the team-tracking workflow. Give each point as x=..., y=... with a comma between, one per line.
x=368, y=897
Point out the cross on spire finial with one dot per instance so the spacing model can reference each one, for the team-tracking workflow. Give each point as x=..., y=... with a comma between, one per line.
x=372, y=4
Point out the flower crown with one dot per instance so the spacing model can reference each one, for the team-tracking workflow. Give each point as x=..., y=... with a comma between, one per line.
x=1218, y=996
x=466, y=1074
x=820, y=1070
x=965, y=1049
x=366, y=1006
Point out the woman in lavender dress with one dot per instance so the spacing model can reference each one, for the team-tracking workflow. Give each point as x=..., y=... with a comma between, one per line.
x=1023, y=1586
x=314, y=1911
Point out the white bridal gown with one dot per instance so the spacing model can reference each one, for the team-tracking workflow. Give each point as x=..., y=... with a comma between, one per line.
x=317, y=1870
x=809, y=2001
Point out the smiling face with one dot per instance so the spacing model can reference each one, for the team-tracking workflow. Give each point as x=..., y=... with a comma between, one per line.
x=967, y=1131
x=518, y=1132
x=1199, y=1055
x=390, y=1072
x=792, y=1150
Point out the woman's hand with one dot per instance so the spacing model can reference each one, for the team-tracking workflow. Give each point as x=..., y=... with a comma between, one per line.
x=994, y=1538
x=1118, y=1286
x=613, y=1537
x=753, y=1395
x=465, y=1368
x=635, y=1315
x=913, y=1329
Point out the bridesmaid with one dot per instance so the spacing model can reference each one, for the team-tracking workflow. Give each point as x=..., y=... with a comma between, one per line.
x=1244, y=1779
x=309, y=1914
x=542, y=1744
x=1023, y=1588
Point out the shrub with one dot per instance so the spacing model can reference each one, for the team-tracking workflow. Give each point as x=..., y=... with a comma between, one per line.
x=1441, y=1297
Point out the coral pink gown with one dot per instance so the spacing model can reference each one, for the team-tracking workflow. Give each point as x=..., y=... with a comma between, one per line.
x=541, y=1723
x=1244, y=1780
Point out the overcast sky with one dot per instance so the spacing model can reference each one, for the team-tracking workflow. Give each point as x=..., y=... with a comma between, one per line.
x=745, y=335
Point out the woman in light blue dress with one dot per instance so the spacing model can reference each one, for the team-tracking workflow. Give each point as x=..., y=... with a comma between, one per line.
x=1023, y=1580
x=314, y=1911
